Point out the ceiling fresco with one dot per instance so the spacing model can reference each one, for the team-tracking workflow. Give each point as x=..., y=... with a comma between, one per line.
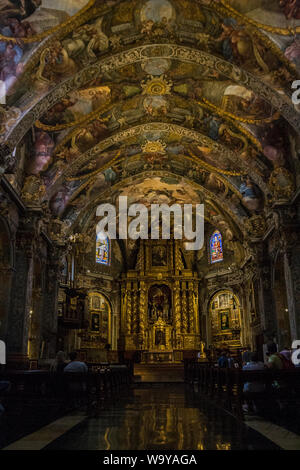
x=161, y=100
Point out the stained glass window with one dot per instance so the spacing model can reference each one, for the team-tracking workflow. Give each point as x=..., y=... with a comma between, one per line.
x=102, y=249
x=216, y=247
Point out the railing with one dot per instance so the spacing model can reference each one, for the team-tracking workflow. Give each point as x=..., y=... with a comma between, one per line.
x=226, y=386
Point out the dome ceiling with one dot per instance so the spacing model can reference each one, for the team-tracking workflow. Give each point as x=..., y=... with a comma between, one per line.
x=188, y=101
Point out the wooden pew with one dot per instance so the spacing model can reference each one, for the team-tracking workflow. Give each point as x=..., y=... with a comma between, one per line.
x=226, y=386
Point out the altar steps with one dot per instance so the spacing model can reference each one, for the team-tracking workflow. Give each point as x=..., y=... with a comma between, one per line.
x=158, y=373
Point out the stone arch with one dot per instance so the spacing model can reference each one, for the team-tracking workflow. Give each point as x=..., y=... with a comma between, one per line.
x=99, y=316
x=237, y=222
x=224, y=319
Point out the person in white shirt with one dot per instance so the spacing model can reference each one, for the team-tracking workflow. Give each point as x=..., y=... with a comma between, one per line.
x=75, y=366
x=77, y=388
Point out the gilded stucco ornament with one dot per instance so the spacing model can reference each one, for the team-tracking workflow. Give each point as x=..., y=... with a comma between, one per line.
x=157, y=86
x=33, y=191
x=281, y=184
x=255, y=226
x=154, y=147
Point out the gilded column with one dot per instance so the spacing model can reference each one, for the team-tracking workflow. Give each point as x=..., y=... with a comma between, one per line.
x=143, y=316
x=184, y=328
x=135, y=315
x=178, y=260
x=124, y=321
x=177, y=314
x=196, y=325
x=128, y=314
x=191, y=310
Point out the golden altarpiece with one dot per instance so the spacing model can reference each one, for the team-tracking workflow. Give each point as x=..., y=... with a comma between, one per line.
x=159, y=305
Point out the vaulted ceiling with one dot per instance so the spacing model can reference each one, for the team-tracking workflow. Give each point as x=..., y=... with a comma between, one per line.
x=160, y=100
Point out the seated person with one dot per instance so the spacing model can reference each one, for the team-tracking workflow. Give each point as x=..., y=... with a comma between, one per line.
x=223, y=360
x=253, y=387
x=77, y=388
x=74, y=365
x=254, y=364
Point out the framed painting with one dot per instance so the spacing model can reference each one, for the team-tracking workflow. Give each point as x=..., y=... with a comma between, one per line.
x=224, y=319
x=95, y=322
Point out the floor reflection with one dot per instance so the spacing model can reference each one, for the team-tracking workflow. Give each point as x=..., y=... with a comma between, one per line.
x=161, y=418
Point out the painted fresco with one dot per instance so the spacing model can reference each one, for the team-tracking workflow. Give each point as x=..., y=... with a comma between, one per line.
x=26, y=22
x=168, y=100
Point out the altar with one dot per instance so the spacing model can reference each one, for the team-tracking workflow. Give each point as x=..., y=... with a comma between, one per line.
x=156, y=357
x=159, y=308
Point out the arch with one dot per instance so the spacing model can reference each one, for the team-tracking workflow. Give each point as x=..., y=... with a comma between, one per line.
x=99, y=331
x=141, y=54
x=224, y=309
x=236, y=220
x=141, y=129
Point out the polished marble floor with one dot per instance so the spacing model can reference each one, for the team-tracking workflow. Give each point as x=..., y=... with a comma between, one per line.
x=160, y=417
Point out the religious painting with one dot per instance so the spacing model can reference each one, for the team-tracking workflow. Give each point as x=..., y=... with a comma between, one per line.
x=223, y=300
x=159, y=303
x=96, y=303
x=216, y=248
x=25, y=21
x=159, y=256
x=99, y=320
x=95, y=322
x=224, y=319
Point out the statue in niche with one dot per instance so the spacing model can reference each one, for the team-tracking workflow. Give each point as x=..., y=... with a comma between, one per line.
x=159, y=306
x=160, y=338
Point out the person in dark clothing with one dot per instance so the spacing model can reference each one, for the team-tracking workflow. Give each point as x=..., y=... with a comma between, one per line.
x=246, y=357
x=59, y=362
x=223, y=360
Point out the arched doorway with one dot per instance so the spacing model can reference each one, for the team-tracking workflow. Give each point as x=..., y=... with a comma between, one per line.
x=225, y=321
x=96, y=339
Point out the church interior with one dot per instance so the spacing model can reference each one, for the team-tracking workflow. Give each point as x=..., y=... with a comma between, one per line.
x=189, y=102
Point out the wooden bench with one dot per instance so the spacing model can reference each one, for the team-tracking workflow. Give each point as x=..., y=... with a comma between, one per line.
x=226, y=386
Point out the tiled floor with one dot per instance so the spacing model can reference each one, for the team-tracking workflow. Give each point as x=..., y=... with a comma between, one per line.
x=160, y=417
